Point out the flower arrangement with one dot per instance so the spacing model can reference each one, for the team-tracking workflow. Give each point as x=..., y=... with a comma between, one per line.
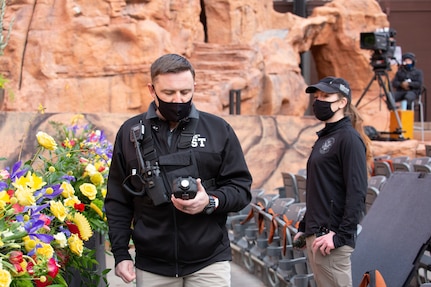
x=51, y=205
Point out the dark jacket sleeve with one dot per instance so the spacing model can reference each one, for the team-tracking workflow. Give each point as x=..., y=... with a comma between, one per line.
x=397, y=80
x=233, y=179
x=356, y=180
x=417, y=80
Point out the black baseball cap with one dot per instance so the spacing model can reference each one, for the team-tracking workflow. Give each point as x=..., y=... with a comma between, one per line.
x=331, y=85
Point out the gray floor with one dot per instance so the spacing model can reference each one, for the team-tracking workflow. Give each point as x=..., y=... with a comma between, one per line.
x=240, y=277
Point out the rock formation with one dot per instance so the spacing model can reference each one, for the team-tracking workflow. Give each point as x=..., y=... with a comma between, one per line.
x=94, y=56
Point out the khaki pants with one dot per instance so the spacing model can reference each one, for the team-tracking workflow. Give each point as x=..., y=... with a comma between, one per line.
x=214, y=275
x=333, y=270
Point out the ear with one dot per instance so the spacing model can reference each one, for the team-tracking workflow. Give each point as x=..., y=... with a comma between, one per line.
x=151, y=89
x=344, y=102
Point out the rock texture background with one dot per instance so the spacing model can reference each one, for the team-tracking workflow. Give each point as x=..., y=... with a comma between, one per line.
x=272, y=144
x=93, y=57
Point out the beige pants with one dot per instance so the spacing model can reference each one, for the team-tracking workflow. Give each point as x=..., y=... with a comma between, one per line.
x=214, y=275
x=333, y=270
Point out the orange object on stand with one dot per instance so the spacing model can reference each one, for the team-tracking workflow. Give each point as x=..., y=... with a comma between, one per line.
x=407, y=122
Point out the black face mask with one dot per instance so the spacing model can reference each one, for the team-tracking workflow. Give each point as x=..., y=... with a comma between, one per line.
x=174, y=112
x=322, y=110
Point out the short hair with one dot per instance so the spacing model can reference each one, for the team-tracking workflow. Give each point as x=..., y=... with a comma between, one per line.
x=171, y=63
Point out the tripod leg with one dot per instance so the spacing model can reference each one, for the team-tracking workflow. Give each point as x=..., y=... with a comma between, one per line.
x=365, y=91
x=391, y=103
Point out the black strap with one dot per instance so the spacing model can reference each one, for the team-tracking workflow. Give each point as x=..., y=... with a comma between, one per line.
x=187, y=134
x=149, y=151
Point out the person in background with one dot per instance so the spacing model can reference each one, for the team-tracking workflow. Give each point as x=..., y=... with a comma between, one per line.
x=336, y=184
x=176, y=173
x=407, y=81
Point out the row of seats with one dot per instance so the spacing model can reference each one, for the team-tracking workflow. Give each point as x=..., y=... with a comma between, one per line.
x=386, y=165
x=261, y=239
x=261, y=234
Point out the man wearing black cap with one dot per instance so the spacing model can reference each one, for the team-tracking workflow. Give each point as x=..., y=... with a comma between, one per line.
x=408, y=80
x=336, y=184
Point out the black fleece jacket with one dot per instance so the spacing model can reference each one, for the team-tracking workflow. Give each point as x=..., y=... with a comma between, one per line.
x=336, y=183
x=167, y=241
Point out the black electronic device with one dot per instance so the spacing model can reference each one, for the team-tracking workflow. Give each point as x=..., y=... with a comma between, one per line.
x=185, y=187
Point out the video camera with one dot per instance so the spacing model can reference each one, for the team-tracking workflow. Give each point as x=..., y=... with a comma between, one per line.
x=382, y=42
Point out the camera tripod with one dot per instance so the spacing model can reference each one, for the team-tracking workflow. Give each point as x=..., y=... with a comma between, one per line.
x=382, y=78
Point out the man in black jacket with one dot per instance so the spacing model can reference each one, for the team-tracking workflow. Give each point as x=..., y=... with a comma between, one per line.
x=408, y=80
x=175, y=174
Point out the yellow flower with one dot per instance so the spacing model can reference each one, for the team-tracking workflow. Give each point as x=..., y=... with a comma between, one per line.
x=71, y=201
x=76, y=245
x=104, y=191
x=41, y=109
x=25, y=196
x=31, y=181
x=29, y=243
x=97, y=178
x=46, y=141
x=67, y=188
x=5, y=278
x=4, y=200
x=49, y=190
x=76, y=118
x=4, y=196
x=83, y=226
x=89, y=190
x=45, y=250
x=34, y=182
x=58, y=210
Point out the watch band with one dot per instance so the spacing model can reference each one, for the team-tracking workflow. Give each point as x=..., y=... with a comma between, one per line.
x=212, y=205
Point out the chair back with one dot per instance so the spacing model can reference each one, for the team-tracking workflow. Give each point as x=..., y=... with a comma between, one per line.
x=301, y=181
x=382, y=168
x=290, y=185
x=402, y=166
x=377, y=181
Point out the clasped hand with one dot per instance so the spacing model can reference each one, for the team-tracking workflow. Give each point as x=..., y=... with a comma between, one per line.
x=324, y=243
x=195, y=205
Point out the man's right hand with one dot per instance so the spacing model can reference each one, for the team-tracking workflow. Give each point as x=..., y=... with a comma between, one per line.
x=126, y=271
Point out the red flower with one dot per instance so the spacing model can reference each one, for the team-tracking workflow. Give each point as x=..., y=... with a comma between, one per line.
x=73, y=228
x=79, y=206
x=15, y=257
x=18, y=208
x=52, y=268
x=45, y=219
x=10, y=192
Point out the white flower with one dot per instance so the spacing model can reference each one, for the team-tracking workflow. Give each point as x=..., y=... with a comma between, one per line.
x=60, y=239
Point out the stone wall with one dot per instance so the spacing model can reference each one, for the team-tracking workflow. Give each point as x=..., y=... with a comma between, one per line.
x=271, y=144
